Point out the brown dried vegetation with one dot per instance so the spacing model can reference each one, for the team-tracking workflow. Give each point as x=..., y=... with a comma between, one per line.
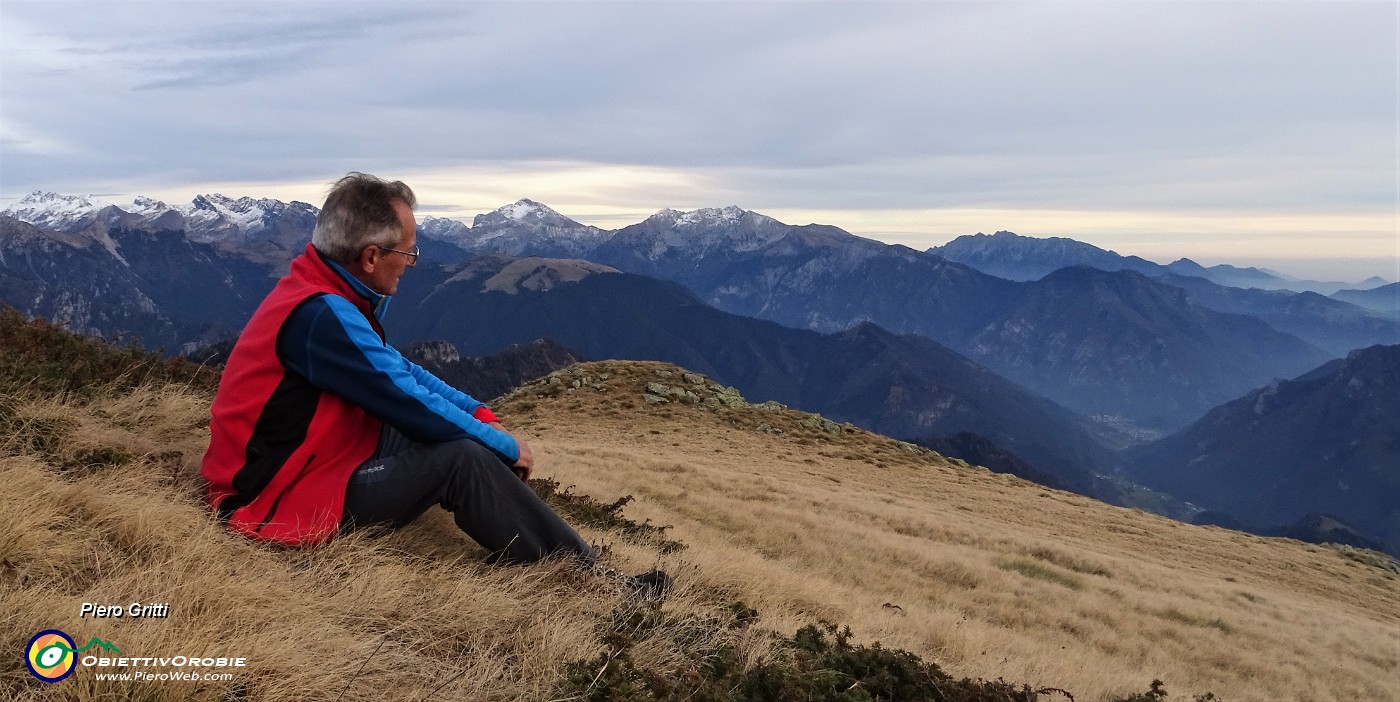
x=800, y=518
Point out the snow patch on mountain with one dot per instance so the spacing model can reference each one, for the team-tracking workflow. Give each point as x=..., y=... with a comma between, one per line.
x=147, y=208
x=708, y=216
x=524, y=209
x=523, y=227
x=54, y=211
x=444, y=229
x=709, y=229
x=208, y=217
x=218, y=212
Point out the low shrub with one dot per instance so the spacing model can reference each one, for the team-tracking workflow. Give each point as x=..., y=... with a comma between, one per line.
x=586, y=510
x=39, y=358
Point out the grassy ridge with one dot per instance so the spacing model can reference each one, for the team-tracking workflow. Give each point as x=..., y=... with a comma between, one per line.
x=100, y=502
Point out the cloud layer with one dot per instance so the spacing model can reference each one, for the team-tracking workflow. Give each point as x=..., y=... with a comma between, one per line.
x=1197, y=108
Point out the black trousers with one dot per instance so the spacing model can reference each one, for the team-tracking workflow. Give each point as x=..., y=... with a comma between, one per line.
x=487, y=500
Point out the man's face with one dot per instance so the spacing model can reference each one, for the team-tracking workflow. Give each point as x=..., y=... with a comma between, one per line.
x=385, y=267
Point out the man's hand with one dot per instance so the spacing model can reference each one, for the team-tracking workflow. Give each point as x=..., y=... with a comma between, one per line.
x=524, y=466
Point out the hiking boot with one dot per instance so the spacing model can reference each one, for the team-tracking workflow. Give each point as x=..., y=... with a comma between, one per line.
x=651, y=585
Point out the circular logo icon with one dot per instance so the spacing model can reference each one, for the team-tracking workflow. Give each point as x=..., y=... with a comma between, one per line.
x=50, y=655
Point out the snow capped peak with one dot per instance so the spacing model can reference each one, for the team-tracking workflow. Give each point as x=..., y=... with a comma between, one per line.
x=52, y=200
x=523, y=211
x=49, y=210
x=729, y=228
x=147, y=207
x=215, y=210
x=217, y=201
x=443, y=228
x=209, y=218
x=213, y=218
x=245, y=205
x=523, y=208
x=730, y=213
x=39, y=201
x=707, y=216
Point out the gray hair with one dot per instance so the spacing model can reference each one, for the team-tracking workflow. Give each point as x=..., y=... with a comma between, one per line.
x=359, y=211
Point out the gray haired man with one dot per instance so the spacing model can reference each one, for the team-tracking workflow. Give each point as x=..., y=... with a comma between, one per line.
x=319, y=424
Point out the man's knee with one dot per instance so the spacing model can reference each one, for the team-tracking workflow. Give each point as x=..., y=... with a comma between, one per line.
x=470, y=454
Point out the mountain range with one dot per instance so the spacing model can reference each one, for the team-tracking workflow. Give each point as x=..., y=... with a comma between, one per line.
x=1041, y=376
x=253, y=227
x=825, y=279
x=156, y=286
x=1110, y=360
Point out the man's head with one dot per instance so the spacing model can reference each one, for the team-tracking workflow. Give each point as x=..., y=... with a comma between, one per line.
x=367, y=226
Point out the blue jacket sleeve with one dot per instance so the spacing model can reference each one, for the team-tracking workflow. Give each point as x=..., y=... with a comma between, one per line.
x=328, y=341
x=435, y=385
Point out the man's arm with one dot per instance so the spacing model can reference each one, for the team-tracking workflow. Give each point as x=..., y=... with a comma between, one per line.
x=330, y=342
x=437, y=386
x=524, y=466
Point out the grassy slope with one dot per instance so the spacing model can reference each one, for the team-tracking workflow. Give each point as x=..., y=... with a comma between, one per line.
x=990, y=575
x=986, y=575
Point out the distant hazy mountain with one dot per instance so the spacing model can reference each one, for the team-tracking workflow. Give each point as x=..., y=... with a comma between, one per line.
x=1232, y=276
x=902, y=386
x=1122, y=344
x=1333, y=325
x=1016, y=257
x=1329, y=324
x=1326, y=442
x=1384, y=299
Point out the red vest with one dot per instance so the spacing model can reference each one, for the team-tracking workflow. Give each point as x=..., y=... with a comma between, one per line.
x=281, y=451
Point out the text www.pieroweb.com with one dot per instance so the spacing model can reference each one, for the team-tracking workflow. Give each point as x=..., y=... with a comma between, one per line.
x=180, y=675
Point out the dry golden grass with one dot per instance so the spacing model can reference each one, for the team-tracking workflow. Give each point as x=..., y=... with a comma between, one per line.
x=76, y=529
x=987, y=575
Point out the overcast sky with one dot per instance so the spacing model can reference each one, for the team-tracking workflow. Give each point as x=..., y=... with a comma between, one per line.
x=1244, y=132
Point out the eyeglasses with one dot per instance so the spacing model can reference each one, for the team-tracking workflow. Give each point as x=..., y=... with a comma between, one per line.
x=412, y=255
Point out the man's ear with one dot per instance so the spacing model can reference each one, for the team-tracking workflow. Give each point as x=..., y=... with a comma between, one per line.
x=368, y=258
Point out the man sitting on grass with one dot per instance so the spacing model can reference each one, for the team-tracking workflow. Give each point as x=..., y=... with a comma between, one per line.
x=319, y=423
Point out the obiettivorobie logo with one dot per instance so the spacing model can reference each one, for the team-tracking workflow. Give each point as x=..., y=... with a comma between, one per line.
x=52, y=656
